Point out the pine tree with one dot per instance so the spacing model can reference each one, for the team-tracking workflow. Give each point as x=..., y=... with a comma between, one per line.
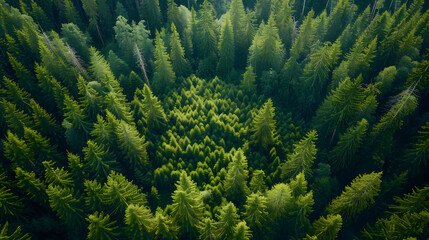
x=227, y=222
x=257, y=183
x=133, y=146
x=243, y=31
x=356, y=197
x=266, y=51
x=165, y=229
x=117, y=65
x=302, y=158
x=177, y=54
x=100, y=227
x=152, y=109
x=93, y=195
x=139, y=221
x=164, y=75
x=206, y=37
x=256, y=214
x=248, y=83
x=57, y=177
x=28, y=182
x=76, y=39
x=301, y=209
x=301, y=46
x=14, y=94
x=104, y=132
x=416, y=157
x=98, y=161
x=24, y=77
x=343, y=154
x=16, y=120
x=10, y=204
x=338, y=19
x=18, y=153
x=151, y=12
x=285, y=22
x=118, y=193
x=71, y=14
x=264, y=126
x=242, y=232
x=44, y=123
x=235, y=183
x=327, y=228
x=187, y=206
x=16, y=234
x=226, y=49
x=298, y=185
x=77, y=171
x=279, y=200
x=68, y=209
x=207, y=229
x=77, y=129
x=91, y=9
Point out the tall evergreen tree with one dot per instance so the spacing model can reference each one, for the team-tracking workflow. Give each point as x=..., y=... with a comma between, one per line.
x=151, y=12
x=227, y=222
x=226, y=49
x=235, y=183
x=98, y=161
x=164, y=75
x=177, y=54
x=139, y=221
x=264, y=126
x=327, y=227
x=100, y=227
x=356, y=197
x=302, y=157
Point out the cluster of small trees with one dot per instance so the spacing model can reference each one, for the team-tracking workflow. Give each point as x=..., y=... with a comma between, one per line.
x=312, y=119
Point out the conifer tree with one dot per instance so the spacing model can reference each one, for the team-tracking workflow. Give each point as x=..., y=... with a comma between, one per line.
x=338, y=19
x=76, y=39
x=100, y=227
x=206, y=32
x=256, y=214
x=93, y=195
x=28, y=182
x=298, y=185
x=98, y=161
x=207, y=229
x=226, y=49
x=91, y=9
x=264, y=126
x=133, y=146
x=301, y=210
x=77, y=171
x=117, y=65
x=242, y=232
x=152, y=109
x=77, y=129
x=14, y=94
x=68, y=209
x=243, y=31
x=279, y=200
x=10, y=205
x=302, y=44
x=151, y=12
x=104, y=132
x=17, y=151
x=327, y=227
x=45, y=123
x=284, y=22
x=344, y=152
x=177, y=54
x=356, y=197
x=235, y=183
x=257, y=183
x=139, y=221
x=248, y=83
x=187, y=206
x=118, y=193
x=416, y=157
x=302, y=158
x=266, y=51
x=165, y=229
x=164, y=75
x=227, y=222
x=56, y=176
x=16, y=234
x=71, y=14
x=16, y=120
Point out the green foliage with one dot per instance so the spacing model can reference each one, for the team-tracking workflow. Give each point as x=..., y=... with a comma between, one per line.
x=327, y=227
x=242, y=232
x=29, y=183
x=279, y=200
x=235, y=183
x=118, y=193
x=248, y=84
x=177, y=54
x=257, y=183
x=264, y=126
x=164, y=75
x=10, y=205
x=187, y=206
x=416, y=157
x=227, y=222
x=100, y=227
x=206, y=37
x=150, y=11
x=356, y=197
x=56, y=176
x=226, y=49
x=139, y=221
x=302, y=157
x=153, y=112
x=256, y=213
x=343, y=154
x=133, y=146
x=98, y=161
x=15, y=235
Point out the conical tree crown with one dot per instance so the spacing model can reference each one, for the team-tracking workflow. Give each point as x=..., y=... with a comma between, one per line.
x=264, y=126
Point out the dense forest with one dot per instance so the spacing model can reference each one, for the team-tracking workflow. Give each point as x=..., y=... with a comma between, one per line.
x=215, y=119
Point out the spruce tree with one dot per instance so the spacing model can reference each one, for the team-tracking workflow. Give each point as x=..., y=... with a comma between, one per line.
x=256, y=214
x=302, y=157
x=242, y=232
x=279, y=200
x=356, y=197
x=206, y=32
x=164, y=75
x=235, y=183
x=139, y=222
x=98, y=161
x=327, y=227
x=28, y=182
x=248, y=84
x=177, y=54
x=227, y=222
x=153, y=112
x=226, y=49
x=264, y=126
x=100, y=227
x=150, y=11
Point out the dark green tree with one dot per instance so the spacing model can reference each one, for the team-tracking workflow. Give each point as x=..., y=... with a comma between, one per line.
x=226, y=49
x=227, y=222
x=150, y=11
x=327, y=227
x=177, y=54
x=164, y=75
x=235, y=183
x=264, y=126
x=98, y=161
x=100, y=227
